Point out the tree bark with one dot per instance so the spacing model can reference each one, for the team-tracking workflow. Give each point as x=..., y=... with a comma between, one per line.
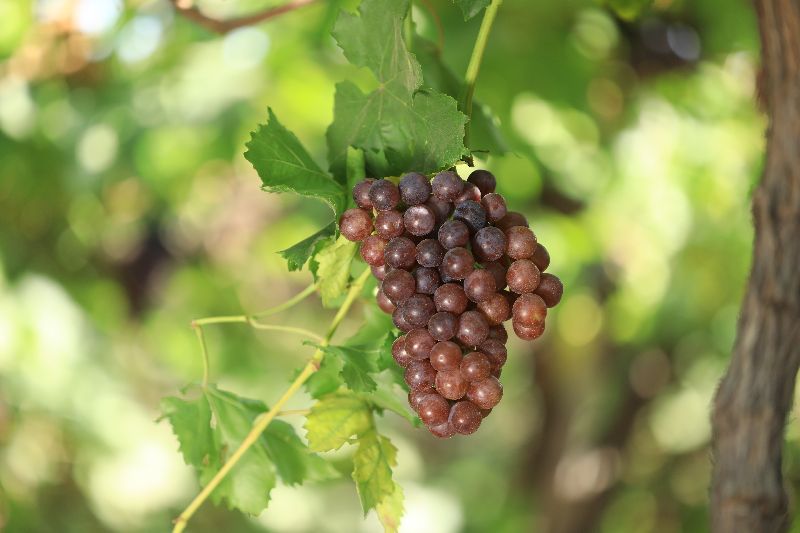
x=755, y=396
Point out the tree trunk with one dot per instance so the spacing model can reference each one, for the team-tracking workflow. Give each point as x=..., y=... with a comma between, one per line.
x=756, y=394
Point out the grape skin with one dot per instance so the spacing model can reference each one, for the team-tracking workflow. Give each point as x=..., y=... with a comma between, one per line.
x=550, y=289
x=414, y=188
x=355, y=224
x=445, y=356
x=465, y=417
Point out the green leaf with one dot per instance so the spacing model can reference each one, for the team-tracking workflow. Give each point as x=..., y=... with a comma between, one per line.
x=393, y=124
x=390, y=396
x=294, y=461
x=326, y=380
x=470, y=8
x=334, y=419
x=372, y=469
x=357, y=363
x=296, y=256
x=332, y=269
x=390, y=510
x=285, y=166
x=190, y=423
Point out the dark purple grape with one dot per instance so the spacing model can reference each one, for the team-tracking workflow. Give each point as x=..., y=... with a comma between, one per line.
x=550, y=289
x=400, y=322
x=419, y=220
x=495, y=207
x=499, y=333
x=415, y=397
x=453, y=234
x=442, y=326
x=414, y=188
x=399, y=353
x=489, y=244
x=527, y=333
x=445, y=356
x=475, y=366
x=465, y=417
x=441, y=208
x=541, y=257
x=399, y=285
x=372, y=250
x=451, y=298
x=496, y=351
x=361, y=193
x=400, y=252
x=443, y=431
x=430, y=253
x=419, y=343
x=496, y=309
x=470, y=192
x=451, y=384
x=384, y=195
x=384, y=303
x=512, y=219
x=472, y=214
x=447, y=185
x=389, y=224
x=427, y=280
x=433, y=409
x=445, y=278
x=521, y=242
x=522, y=276
x=458, y=263
x=473, y=328
x=420, y=375
x=498, y=271
x=483, y=180
x=529, y=310
x=485, y=393
x=380, y=271
x=417, y=310
x=355, y=224
x=479, y=286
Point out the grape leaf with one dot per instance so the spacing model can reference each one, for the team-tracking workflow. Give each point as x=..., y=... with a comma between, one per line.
x=357, y=363
x=334, y=419
x=285, y=166
x=389, y=396
x=331, y=268
x=397, y=127
x=294, y=461
x=390, y=510
x=470, y=8
x=372, y=469
x=325, y=380
x=296, y=256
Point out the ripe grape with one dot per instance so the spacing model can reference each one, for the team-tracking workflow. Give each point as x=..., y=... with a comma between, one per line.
x=445, y=356
x=372, y=250
x=384, y=195
x=379, y=271
x=420, y=374
x=361, y=193
x=442, y=326
x=427, y=280
x=485, y=393
x=399, y=352
x=465, y=417
x=416, y=396
x=355, y=224
x=400, y=252
x=529, y=309
x=419, y=220
x=484, y=180
x=496, y=351
x=430, y=253
x=527, y=333
x=470, y=192
x=450, y=297
x=472, y=328
x=522, y=276
x=453, y=234
x=479, y=286
x=389, y=224
x=489, y=244
x=419, y=343
x=384, y=303
x=441, y=208
x=550, y=289
x=443, y=431
x=447, y=185
x=414, y=188
x=417, y=310
x=451, y=385
x=475, y=366
x=498, y=271
x=472, y=214
x=499, y=333
x=496, y=309
x=541, y=257
x=433, y=409
x=458, y=263
x=399, y=285
x=495, y=207
x=400, y=322
x=521, y=242
x=512, y=219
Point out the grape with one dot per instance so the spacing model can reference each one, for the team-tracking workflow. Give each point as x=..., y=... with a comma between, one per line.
x=485, y=393
x=355, y=224
x=372, y=250
x=433, y=409
x=495, y=351
x=512, y=219
x=475, y=366
x=485, y=412
x=522, y=276
x=400, y=322
x=472, y=214
x=441, y=208
x=415, y=397
x=384, y=195
x=384, y=303
x=445, y=356
x=458, y=263
x=499, y=371
x=419, y=343
x=484, y=180
x=541, y=257
x=472, y=328
x=496, y=309
x=495, y=207
x=420, y=375
x=470, y=192
x=521, y=242
x=479, y=286
x=419, y=220
x=550, y=289
x=528, y=333
x=443, y=431
x=399, y=352
x=399, y=285
x=489, y=244
x=450, y=297
x=417, y=310
x=442, y=326
x=529, y=310
x=451, y=384
x=361, y=193
x=445, y=278
x=498, y=271
x=447, y=185
x=400, y=252
x=453, y=234
x=427, y=280
x=380, y=271
x=499, y=333
x=465, y=417
x=430, y=253
x=414, y=188
x=389, y=224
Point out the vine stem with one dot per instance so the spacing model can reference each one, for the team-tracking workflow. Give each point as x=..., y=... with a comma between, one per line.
x=262, y=422
x=474, y=66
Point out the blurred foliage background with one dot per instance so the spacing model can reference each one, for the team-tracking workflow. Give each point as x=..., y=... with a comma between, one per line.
x=127, y=209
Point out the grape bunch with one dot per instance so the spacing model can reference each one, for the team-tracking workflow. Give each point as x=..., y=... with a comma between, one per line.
x=454, y=264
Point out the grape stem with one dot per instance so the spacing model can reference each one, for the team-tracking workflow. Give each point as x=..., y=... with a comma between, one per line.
x=474, y=66
x=263, y=421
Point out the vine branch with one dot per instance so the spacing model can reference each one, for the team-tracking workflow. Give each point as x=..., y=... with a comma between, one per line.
x=224, y=26
x=263, y=421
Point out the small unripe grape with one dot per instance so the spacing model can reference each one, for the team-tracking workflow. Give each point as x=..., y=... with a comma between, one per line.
x=355, y=224
x=550, y=289
x=496, y=309
x=450, y=297
x=447, y=185
x=419, y=343
x=399, y=352
x=414, y=188
x=453, y=234
x=465, y=417
x=475, y=366
x=445, y=356
x=361, y=193
x=541, y=257
x=495, y=207
x=433, y=409
x=485, y=393
x=442, y=326
x=399, y=285
x=521, y=242
x=430, y=253
x=400, y=252
x=451, y=385
x=529, y=310
x=389, y=224
x=384, y=195
x=419, y=220
x=473, y=328
x=458, y=263
x=417, y=310
x=489, y=244
x=420, y=375
x=483, y=180
x=384, y=303
x=372, y=250
x=472, y=214
x=427, y=280
x=479, y=286
x=522, y=276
